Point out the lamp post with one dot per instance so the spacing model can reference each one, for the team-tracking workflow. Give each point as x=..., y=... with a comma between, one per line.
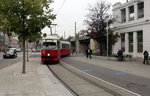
x=75, y=37
x=107, y=38
x=107, y=19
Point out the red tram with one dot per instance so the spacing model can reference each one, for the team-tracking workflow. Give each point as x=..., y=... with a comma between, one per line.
x=53, y=49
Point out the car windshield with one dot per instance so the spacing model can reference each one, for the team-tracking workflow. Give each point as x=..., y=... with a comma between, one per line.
x=49, y=45
x=10, y=51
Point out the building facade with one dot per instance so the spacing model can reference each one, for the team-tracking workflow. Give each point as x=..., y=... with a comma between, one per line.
x=6, y=42
x=132, y=22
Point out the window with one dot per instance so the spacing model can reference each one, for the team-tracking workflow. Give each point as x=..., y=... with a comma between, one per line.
x=140, y=9
x=49, y=45
x=131, y=12
x=140, y=41
x=123, y=15
x=122, y=41
x=131, y=42
x=58, y=44
x=65, y=46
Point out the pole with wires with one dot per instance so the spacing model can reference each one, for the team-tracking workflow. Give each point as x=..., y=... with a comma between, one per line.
x=107, y=38
x=75, y=37
x=107, y=20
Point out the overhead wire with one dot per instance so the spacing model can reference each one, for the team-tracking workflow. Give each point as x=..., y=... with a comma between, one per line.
x=59, y=11
x=61, y=7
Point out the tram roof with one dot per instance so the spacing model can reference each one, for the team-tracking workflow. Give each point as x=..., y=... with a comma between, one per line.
x=53, y=37
x=65, y=42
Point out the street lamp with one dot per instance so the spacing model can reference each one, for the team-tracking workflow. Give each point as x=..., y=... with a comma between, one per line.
x=75, y=37
x=107, y=19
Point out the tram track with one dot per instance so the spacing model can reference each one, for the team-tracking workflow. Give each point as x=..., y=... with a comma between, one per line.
x=71, y=79
x=61, y=81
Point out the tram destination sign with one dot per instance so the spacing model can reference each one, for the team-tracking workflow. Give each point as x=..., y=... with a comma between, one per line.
x=48, y=40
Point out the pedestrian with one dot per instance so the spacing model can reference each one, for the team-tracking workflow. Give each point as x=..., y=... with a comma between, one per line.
x=120, y=55
x=146, y=54
x=88, y=53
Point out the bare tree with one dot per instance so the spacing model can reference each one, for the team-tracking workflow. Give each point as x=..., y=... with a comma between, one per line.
x=69, y=38
x=96, y=21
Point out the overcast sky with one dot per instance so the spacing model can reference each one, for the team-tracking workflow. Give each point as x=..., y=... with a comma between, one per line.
x=71, y=11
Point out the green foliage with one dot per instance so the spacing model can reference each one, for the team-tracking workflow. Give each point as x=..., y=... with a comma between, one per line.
x=34, y=37
x=113, y=37
x=25, y=17
x=93, y=51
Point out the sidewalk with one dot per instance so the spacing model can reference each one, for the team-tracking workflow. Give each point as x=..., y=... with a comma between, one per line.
x=37, y=81
x=1, y=55
x=132, y=67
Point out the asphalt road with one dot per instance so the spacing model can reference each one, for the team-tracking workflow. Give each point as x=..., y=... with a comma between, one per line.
x=131, y=82
x=8, y=61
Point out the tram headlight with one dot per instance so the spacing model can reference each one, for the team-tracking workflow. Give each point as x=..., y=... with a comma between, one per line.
x=48, y=54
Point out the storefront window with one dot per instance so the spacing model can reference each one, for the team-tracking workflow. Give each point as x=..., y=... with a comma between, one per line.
x=122, y=41
x=131, y=42
x=140, y=41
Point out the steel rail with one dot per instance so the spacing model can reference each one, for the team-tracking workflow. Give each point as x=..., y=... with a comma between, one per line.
x=61, y=81
x=92, y=82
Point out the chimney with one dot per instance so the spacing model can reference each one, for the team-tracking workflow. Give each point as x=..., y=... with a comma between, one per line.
x=127, y=0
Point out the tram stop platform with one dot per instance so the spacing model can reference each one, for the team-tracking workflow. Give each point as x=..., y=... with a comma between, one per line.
x=37, y=81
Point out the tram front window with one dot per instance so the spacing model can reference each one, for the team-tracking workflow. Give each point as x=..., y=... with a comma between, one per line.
x=49, y=45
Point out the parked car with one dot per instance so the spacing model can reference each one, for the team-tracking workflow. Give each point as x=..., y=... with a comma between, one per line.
x=18, y=49
x=10, y=53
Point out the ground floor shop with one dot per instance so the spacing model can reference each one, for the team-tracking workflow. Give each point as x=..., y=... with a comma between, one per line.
x=133, y=40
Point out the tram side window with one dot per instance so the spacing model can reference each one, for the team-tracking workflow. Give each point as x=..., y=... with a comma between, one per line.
x=49, y=45
x=65, y=46
x=58, y=44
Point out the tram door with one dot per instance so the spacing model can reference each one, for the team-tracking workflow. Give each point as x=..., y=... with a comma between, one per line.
x=59, y=48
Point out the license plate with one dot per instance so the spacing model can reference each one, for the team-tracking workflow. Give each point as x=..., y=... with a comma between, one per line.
x=7, y=55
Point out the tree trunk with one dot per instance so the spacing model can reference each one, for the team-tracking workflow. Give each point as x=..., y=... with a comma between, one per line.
x=100, y=41
x=24, y=62
x=27, y=53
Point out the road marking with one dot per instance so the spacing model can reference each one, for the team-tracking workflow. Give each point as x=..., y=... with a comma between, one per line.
x=87, y=70
x=120, y=73
x=104, y=80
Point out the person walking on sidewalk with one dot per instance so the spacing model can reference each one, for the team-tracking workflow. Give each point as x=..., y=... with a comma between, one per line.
x=146, y=54
x=88, y=53
x=120, y=55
